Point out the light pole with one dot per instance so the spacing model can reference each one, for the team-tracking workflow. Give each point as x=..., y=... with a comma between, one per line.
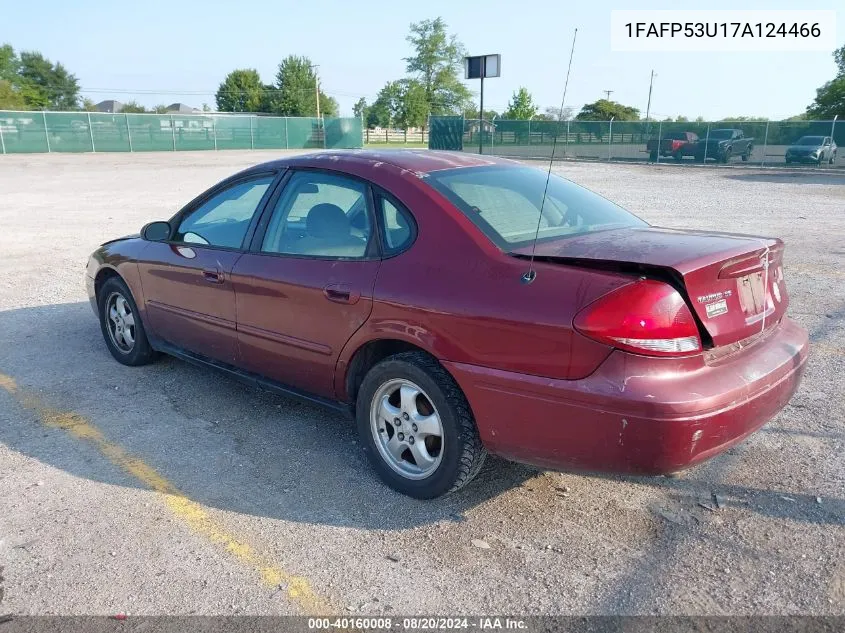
x=316, y=86
x=648, y=106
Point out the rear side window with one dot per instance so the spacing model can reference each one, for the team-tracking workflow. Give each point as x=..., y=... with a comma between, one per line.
x=505, y=203
x=399, y=226
x=320, y=215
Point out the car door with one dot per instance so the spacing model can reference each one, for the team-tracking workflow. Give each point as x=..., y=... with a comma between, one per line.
x=306, y=285
x=188, y=292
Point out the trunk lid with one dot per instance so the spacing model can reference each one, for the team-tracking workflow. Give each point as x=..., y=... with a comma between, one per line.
x=720, y=274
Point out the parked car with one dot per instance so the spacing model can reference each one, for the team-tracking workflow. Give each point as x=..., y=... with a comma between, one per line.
x=812, y=149
x=722, y=145
x=674, y=144
x=404, y=288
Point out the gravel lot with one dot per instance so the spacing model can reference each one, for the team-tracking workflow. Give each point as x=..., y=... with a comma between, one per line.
x=171, y=489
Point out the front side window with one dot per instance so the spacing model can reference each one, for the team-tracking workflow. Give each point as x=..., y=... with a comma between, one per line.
x=320, y=215
x=223, y=219
x=505, y=202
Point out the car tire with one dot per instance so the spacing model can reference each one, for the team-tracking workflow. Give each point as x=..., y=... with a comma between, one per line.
x=726, y=156
x=120, y=323
x=413, y=387
x=832, y=159
x=652, y=156
x=678, y=157
x=788, y=161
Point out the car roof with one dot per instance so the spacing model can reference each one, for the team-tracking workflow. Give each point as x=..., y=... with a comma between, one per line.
x=418, y=161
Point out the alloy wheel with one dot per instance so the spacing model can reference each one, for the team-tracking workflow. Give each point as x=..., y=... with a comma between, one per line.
x=121, y=322
x=407, y=429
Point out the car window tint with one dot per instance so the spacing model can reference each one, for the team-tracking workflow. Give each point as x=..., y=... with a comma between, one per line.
x=320, y=215
x=506, y=202
x=397, y=225
x=223, y=219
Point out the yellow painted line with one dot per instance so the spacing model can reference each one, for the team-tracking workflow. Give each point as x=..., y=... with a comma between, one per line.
x=189, y=512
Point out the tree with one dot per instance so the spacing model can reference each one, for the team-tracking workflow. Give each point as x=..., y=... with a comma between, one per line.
x=9, y=64
x=10, y=99
x=436, y=64
x=88, y=105
x=385, y=109
x=133, y=107
x=360, y=109
x=604, y=110
x=521, y=105
x=412, y=110
x=830, y=98
x=240, y=91
x=554, y=113
x=159, y=109
x=295, y=94
x=681, y=119
x=51, y=83
x=472, y=113
x=699, y=119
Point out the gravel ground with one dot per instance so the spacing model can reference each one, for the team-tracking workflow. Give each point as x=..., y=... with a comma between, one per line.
x=171, y=489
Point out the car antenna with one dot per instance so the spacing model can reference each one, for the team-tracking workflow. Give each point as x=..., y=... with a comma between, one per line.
x=530, y=275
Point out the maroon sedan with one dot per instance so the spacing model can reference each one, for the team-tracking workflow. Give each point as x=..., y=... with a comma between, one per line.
x=400, y=286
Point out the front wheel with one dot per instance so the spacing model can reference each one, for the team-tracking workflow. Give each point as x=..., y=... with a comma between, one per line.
x=121, y=324
x=417, y=428
x=832, y=158
x=652, y=156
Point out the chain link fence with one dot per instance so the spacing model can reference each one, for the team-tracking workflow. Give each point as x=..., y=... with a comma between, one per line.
x=763, y=143
x=35, y=131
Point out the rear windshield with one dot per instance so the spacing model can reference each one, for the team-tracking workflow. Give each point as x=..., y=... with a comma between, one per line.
x=810, y=140
x=504, y=202
x=677, y=136
x=721, y=134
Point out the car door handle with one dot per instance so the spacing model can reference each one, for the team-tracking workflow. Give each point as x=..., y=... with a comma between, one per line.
x=341, y=293
x=212, y=276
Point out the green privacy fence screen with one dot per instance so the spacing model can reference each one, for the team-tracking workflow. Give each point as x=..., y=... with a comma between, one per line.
x=30, y=132
x=629, y=140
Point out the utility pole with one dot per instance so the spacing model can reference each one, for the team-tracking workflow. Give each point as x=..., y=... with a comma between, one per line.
x=607, y=92
x=650, y=84
x=317, y=86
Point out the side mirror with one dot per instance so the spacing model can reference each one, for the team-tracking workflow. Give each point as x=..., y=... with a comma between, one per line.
x=156, y=231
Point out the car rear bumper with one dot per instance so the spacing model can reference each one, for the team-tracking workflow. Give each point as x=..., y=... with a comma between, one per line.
x=637, y=414
x=804, y=159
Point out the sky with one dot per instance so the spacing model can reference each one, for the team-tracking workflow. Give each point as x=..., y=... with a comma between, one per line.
x=163, y=52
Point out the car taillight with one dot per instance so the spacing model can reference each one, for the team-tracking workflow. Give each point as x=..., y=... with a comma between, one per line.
x=647, y=317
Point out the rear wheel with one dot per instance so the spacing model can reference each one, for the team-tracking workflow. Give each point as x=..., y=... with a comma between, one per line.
x=121, y=324
x=832, y=158
x=416, y=427
x=678, y=156
x=652, y=156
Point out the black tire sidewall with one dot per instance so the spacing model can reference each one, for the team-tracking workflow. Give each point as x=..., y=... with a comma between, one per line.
x=141, y=352
x=446, y=474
